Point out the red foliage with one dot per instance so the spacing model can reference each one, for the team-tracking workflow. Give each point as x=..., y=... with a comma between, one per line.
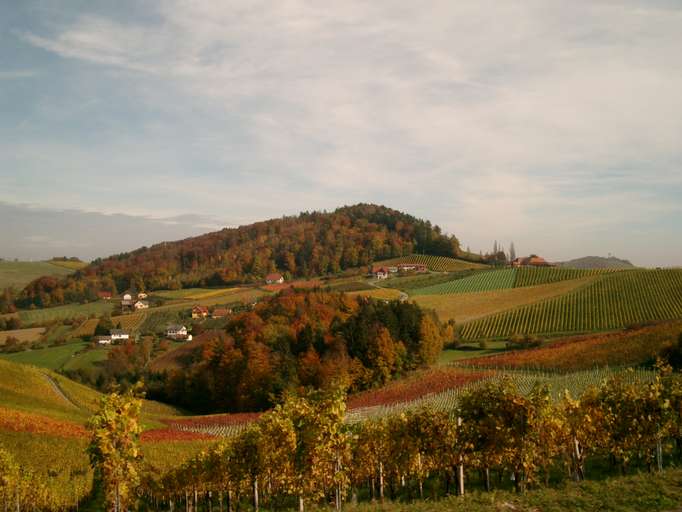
x=19, y=421
x=238, y=418
x=169, y=434
x=416, y=386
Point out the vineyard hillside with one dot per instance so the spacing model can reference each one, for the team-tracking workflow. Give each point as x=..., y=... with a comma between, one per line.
x=464, y=307
x=612, y=301
x=479, y=282
x=435, y=263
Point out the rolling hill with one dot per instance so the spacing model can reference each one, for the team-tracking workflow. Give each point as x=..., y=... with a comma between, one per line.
x=17, y=274
x=597, y=262
x=310, y=244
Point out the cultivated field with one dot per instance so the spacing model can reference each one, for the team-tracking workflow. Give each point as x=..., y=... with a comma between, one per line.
x=22, y=335
x=53, y=358
x=531, y=276
x=435, y=263
x=39, y=316
x=612, y=301
x=479, y=282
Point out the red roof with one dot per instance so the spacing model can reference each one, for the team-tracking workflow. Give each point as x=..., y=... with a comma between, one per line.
x=200, y=309
x=273, y=277
x=104, y=294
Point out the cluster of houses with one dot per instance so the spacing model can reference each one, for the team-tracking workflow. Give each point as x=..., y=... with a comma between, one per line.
x=203, y=312
x=383, y=272
x=130, y=300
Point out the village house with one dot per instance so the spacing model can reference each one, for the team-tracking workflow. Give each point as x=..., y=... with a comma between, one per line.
x=104, y=295
x=380, y=272
x=141, y=296
x=274, y=278
x=199, y=312
x=141, y=304
x=221, y=312
x=118, y=335
x=177, y=332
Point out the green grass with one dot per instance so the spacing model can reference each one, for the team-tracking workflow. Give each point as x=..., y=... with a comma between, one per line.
x=479, y=282
x=52, y=358
x=633, y=493
x=614, y=300
x=17, y=274
x=468, y=351
x=87, y=359
x=39, y=316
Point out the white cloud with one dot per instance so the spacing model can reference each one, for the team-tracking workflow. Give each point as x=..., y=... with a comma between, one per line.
x=486, y=116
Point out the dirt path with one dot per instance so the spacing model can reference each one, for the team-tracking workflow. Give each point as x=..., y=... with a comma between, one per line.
x=55, y=387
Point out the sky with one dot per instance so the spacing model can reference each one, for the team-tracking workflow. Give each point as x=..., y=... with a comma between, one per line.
x=556, y=125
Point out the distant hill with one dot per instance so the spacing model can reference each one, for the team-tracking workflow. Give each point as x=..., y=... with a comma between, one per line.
x=309, y=244
x=596, y=262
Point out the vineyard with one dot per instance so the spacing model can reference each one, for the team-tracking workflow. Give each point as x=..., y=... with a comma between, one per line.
x=435, y=263
x=615, y=300
x=463, y=307
x=532, y=276
x=620, y=348
x=479, y=282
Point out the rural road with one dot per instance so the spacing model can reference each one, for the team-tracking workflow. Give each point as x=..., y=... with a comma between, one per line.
x=58, y=390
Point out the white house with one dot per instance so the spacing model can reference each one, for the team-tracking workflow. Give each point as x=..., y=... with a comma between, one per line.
x=127, y=296
x=117, y=335
x=141, y=304
x=176, y=332
x=142, y=295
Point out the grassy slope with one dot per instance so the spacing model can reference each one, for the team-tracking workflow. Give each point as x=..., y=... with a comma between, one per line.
x=463, y=307
x=18, y=274
x=611, y=301
x=641, y=492
x=52, y=358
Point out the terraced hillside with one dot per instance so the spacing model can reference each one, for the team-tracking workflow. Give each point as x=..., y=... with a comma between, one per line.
x=435, y=263
x=614, y=300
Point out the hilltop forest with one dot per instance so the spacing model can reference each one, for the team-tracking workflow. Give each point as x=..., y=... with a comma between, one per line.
x=310, y=244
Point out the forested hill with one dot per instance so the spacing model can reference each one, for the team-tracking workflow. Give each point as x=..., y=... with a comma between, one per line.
x=312, y=243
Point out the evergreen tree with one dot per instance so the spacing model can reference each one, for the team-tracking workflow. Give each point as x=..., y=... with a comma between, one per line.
x=512, y=252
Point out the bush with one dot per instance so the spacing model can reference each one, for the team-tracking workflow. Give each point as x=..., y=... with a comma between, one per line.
x=520, y=342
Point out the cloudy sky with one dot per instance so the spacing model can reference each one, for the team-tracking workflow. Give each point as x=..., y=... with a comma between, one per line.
x=557, y=125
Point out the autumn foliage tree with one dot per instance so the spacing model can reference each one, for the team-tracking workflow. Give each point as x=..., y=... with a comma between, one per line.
x=114, y=447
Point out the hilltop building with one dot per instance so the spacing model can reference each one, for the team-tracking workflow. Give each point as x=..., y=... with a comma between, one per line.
x=530, y=261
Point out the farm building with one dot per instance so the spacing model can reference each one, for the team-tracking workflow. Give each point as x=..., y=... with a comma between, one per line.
x=141, y=304
x=103, y=340
x=531, y=261
x=274, y=278
x=381, y=272
x=118, y=335
x=221, y=312
x=199, y=312
x=104, y=295
x=141, y=296
x=177, y=332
